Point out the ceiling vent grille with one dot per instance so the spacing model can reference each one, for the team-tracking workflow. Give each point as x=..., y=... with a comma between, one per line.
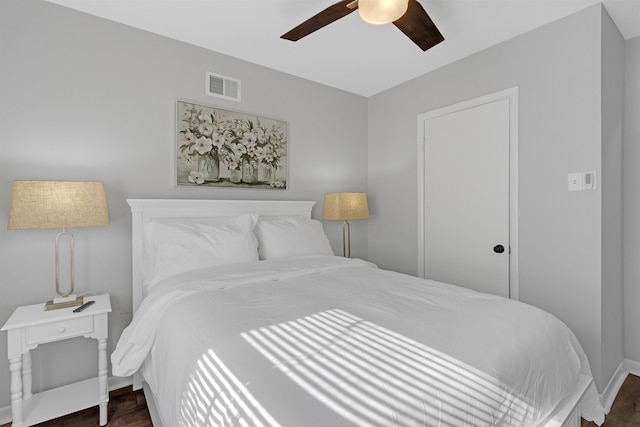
x=223, y=87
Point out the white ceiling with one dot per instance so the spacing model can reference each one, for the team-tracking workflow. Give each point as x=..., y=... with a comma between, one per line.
x=348, y=54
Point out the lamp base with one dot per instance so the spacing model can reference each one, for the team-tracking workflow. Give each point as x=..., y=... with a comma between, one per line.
x=65, y=302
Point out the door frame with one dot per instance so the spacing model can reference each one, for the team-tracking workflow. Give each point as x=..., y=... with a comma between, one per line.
x=512, y=95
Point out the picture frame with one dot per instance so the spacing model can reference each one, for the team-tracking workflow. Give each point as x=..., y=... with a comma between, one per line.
x=221, y=148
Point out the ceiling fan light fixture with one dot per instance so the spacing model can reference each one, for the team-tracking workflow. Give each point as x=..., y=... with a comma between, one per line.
x=382, y=11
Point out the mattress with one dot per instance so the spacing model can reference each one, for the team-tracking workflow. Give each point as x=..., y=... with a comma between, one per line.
x=331, y=341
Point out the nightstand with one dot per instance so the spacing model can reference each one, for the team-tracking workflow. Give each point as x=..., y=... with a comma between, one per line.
x=30, y=326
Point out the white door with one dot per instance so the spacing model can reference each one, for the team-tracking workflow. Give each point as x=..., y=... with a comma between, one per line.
x=466, y=201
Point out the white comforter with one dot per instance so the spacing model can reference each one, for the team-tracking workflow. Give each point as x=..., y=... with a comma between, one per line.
x=329, y=341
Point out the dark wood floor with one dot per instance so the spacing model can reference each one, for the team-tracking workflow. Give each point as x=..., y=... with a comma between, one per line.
x=129, y=408
x=126, y=408
x=625, y=411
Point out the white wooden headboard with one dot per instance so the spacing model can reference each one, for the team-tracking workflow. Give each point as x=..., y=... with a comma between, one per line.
x=146, y=210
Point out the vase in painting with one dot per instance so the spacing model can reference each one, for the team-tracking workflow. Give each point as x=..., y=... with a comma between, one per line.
x=235, y=175
x=266, y=173
x=249, y=171
x=209, y=166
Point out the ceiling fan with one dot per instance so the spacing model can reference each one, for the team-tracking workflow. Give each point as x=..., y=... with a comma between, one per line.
x=408, y=15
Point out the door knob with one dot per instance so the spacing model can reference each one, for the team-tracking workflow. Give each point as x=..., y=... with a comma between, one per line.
x=498, y=249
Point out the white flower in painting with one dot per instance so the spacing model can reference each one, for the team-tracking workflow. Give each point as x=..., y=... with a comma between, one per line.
x=206, y=118
x=186, y=142
x=218, y=140
x=259, y=153
x=233, y=165
x=196, y=177
x=277, y=184
x=186, y=114
x=189, y=138
x=249, y=139
x=206, y=129
x=238, y=149
x=203, y=145
x=183, y=143
x=187, y=160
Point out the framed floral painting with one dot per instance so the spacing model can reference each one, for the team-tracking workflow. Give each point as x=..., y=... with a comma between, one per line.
x=220, y=148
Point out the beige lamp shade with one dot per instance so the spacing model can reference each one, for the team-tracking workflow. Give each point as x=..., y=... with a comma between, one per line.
x=345, y=206
x=57, y=204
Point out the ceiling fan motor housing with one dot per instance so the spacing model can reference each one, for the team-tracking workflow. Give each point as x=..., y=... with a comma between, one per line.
x=382, y=11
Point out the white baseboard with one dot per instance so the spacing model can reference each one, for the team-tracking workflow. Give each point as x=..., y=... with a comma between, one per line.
x=5, y=415
x=611, y=390
x=115, y=383
x=634, y=367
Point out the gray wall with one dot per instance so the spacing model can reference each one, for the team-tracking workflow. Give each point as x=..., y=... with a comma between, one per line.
x=613, y=86
x=87, y=99
x=631, y=193
x=558, y=69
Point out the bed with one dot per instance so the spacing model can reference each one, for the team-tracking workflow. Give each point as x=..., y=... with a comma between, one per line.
x=243, y=316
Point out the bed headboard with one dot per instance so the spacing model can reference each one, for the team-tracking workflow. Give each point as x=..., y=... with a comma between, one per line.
x=146, y=210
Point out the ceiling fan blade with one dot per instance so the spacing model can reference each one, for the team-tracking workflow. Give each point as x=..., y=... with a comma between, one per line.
x=417, y=25
x=326, y=17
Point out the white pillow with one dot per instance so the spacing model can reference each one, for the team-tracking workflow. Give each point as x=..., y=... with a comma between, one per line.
x=290, y=237
x=175, y=247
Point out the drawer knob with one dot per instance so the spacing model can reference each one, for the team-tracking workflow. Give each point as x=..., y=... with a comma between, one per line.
x=62, y=329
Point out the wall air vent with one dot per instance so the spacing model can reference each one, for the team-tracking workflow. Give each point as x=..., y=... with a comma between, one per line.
x=223, y=86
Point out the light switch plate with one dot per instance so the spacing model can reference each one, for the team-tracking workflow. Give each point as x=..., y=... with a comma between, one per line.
x=575, y=181
x=582, y=181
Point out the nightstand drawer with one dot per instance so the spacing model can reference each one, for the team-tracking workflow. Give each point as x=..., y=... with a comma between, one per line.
x=58, y=330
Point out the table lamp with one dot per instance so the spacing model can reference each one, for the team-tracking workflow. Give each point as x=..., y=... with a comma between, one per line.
x=345, y=207
x=59, y=204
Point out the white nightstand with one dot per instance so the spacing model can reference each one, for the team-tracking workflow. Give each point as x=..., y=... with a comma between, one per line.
x=30, y=326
